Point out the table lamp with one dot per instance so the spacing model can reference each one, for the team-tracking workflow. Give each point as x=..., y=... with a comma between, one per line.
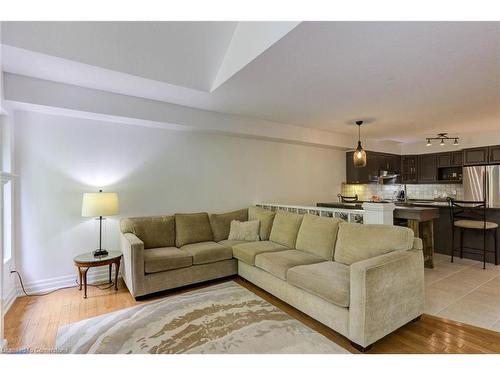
x=99, y=205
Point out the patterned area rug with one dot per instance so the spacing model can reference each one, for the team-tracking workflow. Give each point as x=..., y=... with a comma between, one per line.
x=225, y=318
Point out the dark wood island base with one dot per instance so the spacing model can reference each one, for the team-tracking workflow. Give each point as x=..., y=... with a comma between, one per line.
x=420, y=220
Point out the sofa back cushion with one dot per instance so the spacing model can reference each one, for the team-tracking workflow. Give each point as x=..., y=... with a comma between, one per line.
x=192, y=228
x=357, y=242
x=285, y=228
x=317, y=235
x=221, y=223
x=265, y=217
x=155, y=232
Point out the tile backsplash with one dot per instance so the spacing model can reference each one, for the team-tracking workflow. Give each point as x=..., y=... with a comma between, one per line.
x=414, y=191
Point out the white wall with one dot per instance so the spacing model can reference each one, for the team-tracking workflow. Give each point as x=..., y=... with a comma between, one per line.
x=1, y=73
x=25, y=93
x=155, y=171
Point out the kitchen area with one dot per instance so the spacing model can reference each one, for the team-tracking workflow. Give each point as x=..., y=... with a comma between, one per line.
x=419, y=186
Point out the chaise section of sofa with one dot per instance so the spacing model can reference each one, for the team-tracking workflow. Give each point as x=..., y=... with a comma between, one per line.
x=315, y=238
x=363, y=281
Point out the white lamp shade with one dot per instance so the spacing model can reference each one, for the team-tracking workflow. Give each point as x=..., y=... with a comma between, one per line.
x=99, y=204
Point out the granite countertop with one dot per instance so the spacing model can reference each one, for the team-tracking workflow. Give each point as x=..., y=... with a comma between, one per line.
x=402, y=211
x=431, y=203
x=359, y=204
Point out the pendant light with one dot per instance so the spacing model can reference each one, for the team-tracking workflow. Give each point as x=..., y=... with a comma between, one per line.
x=359, y=153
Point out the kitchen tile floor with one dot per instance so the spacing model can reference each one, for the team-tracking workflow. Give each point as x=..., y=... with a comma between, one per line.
x=464, y=292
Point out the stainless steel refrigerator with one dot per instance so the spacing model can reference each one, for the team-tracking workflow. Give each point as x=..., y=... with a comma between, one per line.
x=482, y=182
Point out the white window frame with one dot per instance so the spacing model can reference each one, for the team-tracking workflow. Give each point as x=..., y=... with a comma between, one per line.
x=6, y=167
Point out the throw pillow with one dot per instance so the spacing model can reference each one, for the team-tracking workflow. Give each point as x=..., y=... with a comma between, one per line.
x=244, y=230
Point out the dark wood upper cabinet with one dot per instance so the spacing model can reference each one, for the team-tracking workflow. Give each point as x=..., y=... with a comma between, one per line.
x=384, y=162
x=476, y=156
x=396, y=164
x=375, y=162
x=444, y=159
x=494, y=155
x=457, y=159
x=409, y=168
x=427, y=168
x=449, y=159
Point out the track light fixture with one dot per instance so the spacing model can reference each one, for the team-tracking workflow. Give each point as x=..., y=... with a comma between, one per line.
x=442, y=137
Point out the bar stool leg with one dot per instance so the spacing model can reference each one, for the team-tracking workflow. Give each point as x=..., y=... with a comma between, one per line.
x=484, y=249
x=461, y=243
x=452, y=242
x=496, y=249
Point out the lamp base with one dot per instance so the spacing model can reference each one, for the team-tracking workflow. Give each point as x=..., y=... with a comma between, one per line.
x=100, y=253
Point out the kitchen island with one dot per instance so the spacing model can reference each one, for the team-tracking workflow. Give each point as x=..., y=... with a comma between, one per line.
x=418, y=218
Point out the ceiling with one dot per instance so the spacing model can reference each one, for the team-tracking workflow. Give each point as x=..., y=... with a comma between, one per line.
x=186, y=54
x=408, y=80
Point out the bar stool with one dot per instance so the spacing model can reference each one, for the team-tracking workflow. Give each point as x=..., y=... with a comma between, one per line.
x=346, y=199
x=471, y=215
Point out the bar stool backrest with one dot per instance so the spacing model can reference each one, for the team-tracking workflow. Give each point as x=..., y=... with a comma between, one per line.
x=467, y=210
x=346, y=199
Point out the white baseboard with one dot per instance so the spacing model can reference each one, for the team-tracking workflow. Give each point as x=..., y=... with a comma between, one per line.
x=46, y=285
x=9, y=299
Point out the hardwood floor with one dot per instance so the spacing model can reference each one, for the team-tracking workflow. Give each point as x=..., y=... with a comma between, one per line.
x=32, y=322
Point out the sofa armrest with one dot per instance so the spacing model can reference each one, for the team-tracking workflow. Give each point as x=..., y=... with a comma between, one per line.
x=387, y=292
x=133, y=260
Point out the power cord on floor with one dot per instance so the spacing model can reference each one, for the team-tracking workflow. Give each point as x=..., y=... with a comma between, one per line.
x=98, y=286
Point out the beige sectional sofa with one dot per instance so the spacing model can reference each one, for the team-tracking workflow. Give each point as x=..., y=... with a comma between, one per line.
x=363, y=281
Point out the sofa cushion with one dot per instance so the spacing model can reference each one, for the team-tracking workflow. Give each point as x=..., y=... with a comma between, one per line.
x=328, y=280
x=221, y=223
x=166, y=258
x=278, y=263
x=265, y=217
x=357, y=242
x=153, y=231
x=231, y=243
x=317, y=235
x=207, y=252
x=248, y=251
x=244, y=230
x=192, y=228
x=285, y=228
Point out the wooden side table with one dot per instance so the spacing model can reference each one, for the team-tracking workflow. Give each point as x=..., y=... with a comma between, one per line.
x=86, y=261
